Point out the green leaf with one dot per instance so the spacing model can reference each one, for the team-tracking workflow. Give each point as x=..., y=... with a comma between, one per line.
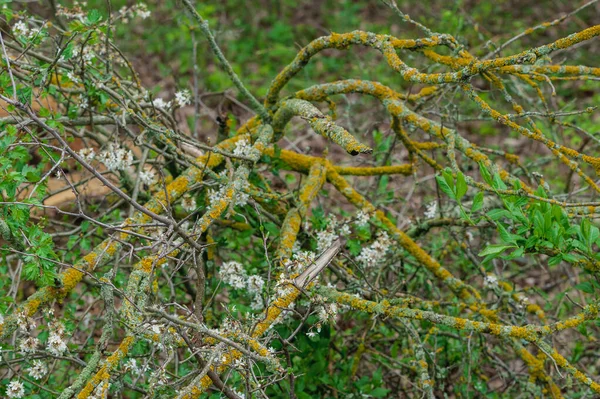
x=24, y=95
x=93, y=16
x=495, y=249
x=461, y=186
x=477, y=202
x=485, y=173
x=379, y=392
x=445, y=187
x=586, y=287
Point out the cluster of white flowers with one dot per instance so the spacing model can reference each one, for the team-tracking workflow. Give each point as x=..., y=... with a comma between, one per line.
x=83, y=102
x=255, y=284
x=233, y=273
x=29, y=345
x=15, y=389
x=188, y=202
x=325, y=238
x=38, y=370
x=160, y=103
x=240, y=197
x=490, y=281
x=20, y=29
x=362, y=218
x=183, y=98
x=26, y=324
x=431, y=211
x=56, y=344
x=139, y=10
x=75, y=12
x=72, y=77
x=88, y=154
x=242, y=148
x=131, y=365
x=116, y=158
x=373, y=254
x=87, y=53
x=147, y=176
x=327, y=312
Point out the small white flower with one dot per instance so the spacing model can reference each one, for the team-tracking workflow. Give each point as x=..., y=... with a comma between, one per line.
x=38, y=371
x=345, y=230
x=188, y=203
x=490, y=281
x=116, y=158
x=255, y=284
x=147, y=177
x=29, y=345
x=182, y=98
x=233, y=274
x=56, y=345
x=370, y=256
x=132, y=366
x=83, y=102
x=15, y=389
x=141, y=10
x=311, y=334
x=20, y=28
x=72, y=77
x=362, y=218
x=431, y=211
x=160, y=103
x=88, y=154
x=325, y=238
x=242, y=148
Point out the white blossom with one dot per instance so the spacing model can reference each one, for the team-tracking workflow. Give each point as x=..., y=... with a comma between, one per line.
x=325, y=238
x=182, y=98
x=88, y=154
x=242, y=148
x=328, y=312
x=56, y=345
x=38, y=371
x=160, y=103
x=311, y=334
x=490, y=280
x=72, y=77
x=116, y=158
x=345, y=230
x=255, y=284
x=147, y=177
x=362, y=218
x=29, y=345
x=20, y=28
x=15, y=389
x=431, y=211
x=26, y=324
x=188, y=203
x=233, y=274
x=370, y=256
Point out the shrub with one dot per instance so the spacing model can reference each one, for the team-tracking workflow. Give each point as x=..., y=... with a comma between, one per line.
x=141, y=261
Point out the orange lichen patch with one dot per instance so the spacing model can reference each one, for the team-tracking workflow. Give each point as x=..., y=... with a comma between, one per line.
x=111, y=362
x=289, y=232
x=275, y=310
